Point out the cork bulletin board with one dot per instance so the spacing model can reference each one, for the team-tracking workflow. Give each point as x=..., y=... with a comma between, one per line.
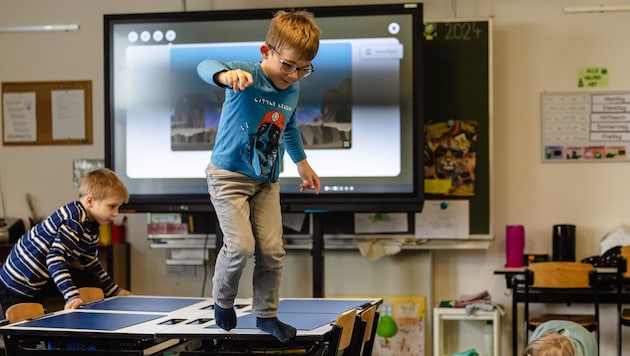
x=47, y=113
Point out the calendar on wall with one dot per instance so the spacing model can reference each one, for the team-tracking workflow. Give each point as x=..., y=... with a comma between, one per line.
x=585, y=126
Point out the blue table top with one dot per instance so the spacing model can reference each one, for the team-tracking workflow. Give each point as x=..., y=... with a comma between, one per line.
x=144, y=304
x=303, y=314
x=318, y=306
x=305, y=322
x=122, y=312
x=90, y=321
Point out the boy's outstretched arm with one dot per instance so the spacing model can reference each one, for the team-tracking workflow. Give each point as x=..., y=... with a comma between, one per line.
x=236, y=79
x=310, y=180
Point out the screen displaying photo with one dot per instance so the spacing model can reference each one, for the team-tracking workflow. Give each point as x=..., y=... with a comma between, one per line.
x=359, y=113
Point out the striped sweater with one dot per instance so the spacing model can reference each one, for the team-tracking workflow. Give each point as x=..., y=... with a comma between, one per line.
x=47, y=250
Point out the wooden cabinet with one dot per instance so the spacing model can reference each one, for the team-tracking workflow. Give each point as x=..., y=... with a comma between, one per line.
x=115, y=259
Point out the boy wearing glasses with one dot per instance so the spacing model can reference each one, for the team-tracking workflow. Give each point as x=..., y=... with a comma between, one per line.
x=257, y=123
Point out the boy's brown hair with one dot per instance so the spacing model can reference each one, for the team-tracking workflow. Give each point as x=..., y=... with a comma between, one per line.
x=550, y=343
x=295, y=30
x=103, y=183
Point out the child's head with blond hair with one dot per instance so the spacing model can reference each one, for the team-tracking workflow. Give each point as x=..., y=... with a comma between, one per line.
x=550, y=343
x=294, y=30
x=103, y=183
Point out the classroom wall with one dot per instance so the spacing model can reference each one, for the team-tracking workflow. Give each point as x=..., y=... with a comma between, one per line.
x=537, y=48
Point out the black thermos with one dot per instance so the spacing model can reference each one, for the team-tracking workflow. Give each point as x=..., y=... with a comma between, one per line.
x=563, y=242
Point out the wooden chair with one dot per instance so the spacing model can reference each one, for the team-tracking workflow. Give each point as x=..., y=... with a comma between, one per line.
x=370, y=318
x=16, y=313
x=23, y=311
x=623, y=314
x=560, y=278
x=346, y=321
x=91, y=294
x=363, y=333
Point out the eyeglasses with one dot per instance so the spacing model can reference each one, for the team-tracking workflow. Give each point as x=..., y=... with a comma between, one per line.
x=288, y=68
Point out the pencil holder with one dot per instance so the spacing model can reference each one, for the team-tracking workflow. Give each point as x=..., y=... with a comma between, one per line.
x=105, y=232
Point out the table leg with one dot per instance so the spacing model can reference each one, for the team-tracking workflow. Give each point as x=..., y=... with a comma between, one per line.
x=514, y=325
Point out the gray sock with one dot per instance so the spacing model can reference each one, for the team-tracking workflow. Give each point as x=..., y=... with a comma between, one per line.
x=275, y=327
x=225, y=318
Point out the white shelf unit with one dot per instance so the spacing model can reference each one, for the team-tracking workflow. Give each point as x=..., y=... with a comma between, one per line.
x=184, y=249
x=442, y=314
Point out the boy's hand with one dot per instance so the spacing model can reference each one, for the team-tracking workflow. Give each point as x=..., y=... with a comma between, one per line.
x=236, y=79
x=73, y=303
x=124, y=292
x=310, y=180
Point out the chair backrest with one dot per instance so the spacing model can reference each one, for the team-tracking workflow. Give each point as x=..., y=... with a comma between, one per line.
x=625, y=253
x=367, y=316
x=561, y=274
x=91, y=294
x=346, y=321
x=23, y=311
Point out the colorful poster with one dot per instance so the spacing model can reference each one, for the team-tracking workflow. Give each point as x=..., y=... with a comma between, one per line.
x=401, y=327
x=450, y=158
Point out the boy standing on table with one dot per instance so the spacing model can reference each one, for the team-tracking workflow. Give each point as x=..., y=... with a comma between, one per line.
x=257, y=122
x=39, y=263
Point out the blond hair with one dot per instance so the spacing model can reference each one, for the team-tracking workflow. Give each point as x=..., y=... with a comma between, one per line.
x=550, y=343
x=295, y=30
x=103, y=183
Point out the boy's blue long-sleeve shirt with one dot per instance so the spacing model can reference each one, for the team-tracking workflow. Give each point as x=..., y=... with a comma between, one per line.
x=256, y=124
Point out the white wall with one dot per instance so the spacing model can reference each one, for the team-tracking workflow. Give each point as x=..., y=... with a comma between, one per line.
x=536, y=48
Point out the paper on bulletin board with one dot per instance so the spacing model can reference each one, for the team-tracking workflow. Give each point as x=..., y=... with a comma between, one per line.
x=20, y=123
x=443, y=219
x=68, y=114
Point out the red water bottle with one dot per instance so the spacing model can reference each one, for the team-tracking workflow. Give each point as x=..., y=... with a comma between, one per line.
x=514, y=245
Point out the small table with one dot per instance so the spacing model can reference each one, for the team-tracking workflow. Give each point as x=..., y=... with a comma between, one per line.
x=441, y=314
x=159, y=325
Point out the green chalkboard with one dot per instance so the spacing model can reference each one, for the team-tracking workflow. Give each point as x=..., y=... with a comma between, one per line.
x=457, y=89
x=457, y=86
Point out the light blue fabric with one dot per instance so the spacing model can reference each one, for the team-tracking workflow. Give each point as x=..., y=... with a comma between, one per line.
x=583, y=340
x=470, y=352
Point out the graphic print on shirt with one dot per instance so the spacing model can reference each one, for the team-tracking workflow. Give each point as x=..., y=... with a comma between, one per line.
x=266, y=143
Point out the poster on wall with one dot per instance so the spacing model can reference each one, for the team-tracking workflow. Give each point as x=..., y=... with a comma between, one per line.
x=585, y=126
x=401, y=327
x=450, y=158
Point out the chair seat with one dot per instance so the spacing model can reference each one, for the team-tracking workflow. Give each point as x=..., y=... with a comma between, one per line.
x=625, y=317
x=587, y=321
